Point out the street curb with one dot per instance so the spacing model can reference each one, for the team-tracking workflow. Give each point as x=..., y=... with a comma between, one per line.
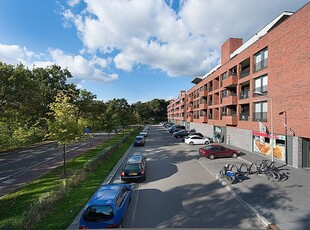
x=108, y=180
x=260, y=217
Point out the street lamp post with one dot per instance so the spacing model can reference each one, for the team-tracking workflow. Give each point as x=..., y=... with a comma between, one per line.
x=271, y=124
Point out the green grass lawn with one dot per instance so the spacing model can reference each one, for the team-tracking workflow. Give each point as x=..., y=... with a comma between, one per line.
x=18, y=209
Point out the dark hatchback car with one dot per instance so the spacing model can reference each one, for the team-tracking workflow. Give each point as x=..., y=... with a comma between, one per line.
x=181, y=133
x=107, y=207
x=215, y=151
x=176, y=128
x=135, y=168
x=139, y=141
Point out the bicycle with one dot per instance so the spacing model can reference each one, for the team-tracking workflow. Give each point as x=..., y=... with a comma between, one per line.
x=264, y=167
x=228, y=173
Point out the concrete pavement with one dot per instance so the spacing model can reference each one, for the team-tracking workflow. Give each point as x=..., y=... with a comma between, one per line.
x=284, y=204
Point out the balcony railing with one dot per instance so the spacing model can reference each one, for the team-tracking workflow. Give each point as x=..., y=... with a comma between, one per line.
x=244, y=95
x=260, y=116
x=263, y=89
x=261, y=65
x=245, y=72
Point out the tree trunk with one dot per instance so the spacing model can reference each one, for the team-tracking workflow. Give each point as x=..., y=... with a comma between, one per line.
x=64, y=159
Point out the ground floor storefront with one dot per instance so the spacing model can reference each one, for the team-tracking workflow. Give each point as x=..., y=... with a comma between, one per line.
x=291, y=150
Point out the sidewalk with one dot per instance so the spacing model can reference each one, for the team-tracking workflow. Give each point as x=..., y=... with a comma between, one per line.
x=285, y=204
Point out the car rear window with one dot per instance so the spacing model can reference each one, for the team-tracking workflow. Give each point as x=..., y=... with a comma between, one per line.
x=98, y=213
x=132, y=167
x=138, y=138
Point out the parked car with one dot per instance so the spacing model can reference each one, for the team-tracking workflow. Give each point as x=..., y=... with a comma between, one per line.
x=215, y=151
x=139, y=141
x=135, y=168
x=181, y=133
x=196, y=140
x=195, y=134
x=168, y=125
x=144, y=133
x=107, y=207
x=176, y=128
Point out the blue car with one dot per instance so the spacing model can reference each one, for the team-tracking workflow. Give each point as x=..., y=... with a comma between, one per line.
x=107, y=207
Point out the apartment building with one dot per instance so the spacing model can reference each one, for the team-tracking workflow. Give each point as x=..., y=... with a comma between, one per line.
x=258, y=98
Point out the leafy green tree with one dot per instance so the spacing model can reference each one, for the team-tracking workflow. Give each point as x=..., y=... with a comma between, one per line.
x=64, y=127
x=153, y=111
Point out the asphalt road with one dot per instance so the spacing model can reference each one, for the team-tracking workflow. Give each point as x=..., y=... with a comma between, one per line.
x=181, y=190
x=21, y=166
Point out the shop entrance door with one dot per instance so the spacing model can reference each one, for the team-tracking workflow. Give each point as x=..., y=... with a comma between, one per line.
x=306, y=153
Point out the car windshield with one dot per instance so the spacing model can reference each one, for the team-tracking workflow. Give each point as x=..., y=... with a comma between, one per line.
x=138, y=138
x=132, y=167
x=98, y=213
x=208, y=147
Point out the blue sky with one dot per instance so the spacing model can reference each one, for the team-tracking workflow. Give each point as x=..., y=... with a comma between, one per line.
x=133, y=49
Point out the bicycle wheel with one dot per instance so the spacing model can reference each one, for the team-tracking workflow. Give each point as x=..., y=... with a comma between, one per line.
x=222, y=173
x=272, y=175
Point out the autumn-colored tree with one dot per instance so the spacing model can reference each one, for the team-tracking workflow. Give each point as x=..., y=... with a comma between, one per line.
x=64, y=127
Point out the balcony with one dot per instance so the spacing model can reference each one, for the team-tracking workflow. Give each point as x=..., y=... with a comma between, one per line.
x=189, y=119
x=203, y=93
x=230, y=119
x=230, y=100
x=244, y=95
x=203, y=106
x=203, y=119
x=230, y=81
x=245, y=72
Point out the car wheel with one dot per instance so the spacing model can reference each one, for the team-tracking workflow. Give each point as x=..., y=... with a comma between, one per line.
x=211, y=157
x=207, y=143
x=191, y=143
x=234, y=155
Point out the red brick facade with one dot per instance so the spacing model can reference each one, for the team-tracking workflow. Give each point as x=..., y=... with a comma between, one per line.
x=288, y=72
x=275, y=63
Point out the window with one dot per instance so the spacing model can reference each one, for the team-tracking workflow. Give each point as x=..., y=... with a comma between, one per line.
x=224, y=76
x=98, y=213
x=260, y=111
x=261, y=60
x=224, y=93
x=224, y=111
x=261, y=84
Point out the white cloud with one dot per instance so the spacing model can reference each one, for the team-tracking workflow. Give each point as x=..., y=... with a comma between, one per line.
x=80, y=67
x=14, y=54
x=184, y=43
x=73, y=2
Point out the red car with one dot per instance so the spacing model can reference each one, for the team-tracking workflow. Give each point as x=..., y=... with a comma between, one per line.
x=214, y=151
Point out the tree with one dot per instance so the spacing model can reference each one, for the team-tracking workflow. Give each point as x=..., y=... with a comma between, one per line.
x=64, y=126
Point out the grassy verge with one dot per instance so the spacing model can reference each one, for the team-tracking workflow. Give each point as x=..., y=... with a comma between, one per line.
x=30, y=206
